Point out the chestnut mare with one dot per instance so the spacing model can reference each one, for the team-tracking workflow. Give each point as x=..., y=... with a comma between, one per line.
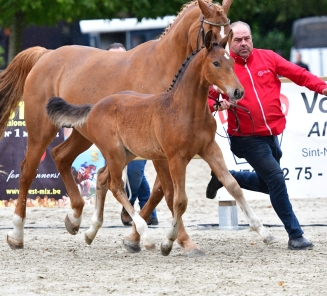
x=174, y=125
x=85, y=75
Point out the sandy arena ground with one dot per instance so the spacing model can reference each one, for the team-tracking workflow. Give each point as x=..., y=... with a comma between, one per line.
x=237, y=262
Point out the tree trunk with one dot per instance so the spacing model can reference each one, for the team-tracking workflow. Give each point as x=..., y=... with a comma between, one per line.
x=16, y=36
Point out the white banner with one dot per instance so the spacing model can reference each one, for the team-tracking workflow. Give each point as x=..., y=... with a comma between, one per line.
x=303, y=143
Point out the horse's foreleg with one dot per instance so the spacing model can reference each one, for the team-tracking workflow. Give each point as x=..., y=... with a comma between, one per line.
x=191, y=249
x=162, y=187
x=177, y=171
x=115, y=164
x=28, y=167
x=97, y=218
x=132, y=241
x=64, y=155
x=213, y=156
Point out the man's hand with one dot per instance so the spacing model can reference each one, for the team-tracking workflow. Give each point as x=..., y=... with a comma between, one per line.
x=324, y=92
x=224, y=105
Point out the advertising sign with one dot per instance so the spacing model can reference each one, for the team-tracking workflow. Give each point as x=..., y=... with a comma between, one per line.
x=47, y=189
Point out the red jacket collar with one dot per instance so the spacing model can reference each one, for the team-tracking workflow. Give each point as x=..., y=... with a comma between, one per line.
x=240, y=60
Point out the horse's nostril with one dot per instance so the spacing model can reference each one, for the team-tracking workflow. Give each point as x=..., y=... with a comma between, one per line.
x=238, y=94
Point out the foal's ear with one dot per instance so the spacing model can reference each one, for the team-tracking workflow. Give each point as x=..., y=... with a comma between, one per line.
x=208, y=40
x=227, y=38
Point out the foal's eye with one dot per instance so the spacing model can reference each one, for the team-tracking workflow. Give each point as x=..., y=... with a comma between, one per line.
x=216, y=64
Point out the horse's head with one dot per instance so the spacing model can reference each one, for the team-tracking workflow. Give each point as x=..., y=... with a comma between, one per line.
x=219, y=68
x=214, y=18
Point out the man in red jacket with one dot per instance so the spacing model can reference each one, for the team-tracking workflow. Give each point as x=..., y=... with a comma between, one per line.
x=255, y=139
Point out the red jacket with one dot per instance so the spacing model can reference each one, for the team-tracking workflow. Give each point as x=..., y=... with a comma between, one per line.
x=259, y=77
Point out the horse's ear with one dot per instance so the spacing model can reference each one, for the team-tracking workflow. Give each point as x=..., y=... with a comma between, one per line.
x=226, y=5
x=204, y=8
x=208, y=40
x=223, y=42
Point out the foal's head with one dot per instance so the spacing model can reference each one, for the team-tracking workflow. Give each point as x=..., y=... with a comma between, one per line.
x=219, y=68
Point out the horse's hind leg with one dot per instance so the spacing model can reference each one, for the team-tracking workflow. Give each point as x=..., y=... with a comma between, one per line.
x=97, y=218
x=64, y=155
x=36, y=145
x=213, y=156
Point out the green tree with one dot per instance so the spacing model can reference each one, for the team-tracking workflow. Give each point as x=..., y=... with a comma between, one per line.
x=264, y=16
x=2, y=60
x=21, y=13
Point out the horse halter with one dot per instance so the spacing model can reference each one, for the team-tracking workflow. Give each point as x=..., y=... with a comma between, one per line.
x=201, y=30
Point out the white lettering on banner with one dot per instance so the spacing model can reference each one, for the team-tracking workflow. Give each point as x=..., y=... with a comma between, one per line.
x=12, y=176
x=303, y=143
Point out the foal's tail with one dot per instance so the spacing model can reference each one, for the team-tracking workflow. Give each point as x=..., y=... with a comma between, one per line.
x=12, y=81
x=62, y=113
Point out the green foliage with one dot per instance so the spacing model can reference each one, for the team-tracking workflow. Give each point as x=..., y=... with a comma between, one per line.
x=2, y=60
x=274, y=40
x=271, y=20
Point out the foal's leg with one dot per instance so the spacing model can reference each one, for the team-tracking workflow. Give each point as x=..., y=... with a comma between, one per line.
x=36, y=145
x=161, y=187
x=97, y=218
x=191, y=249
x=177, y=168
x=132, y=241
x=115, y=164
x=64, y=155
x=213, y=156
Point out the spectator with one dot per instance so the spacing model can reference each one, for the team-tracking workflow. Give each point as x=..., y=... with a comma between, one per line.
x=299, y=62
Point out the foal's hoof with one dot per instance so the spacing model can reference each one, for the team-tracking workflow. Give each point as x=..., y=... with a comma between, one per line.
x=165, y=249
x=87, y=239
x=194, y=253
x=131, y=247
x=71, y=227
x=14, y=244
x=270, y=240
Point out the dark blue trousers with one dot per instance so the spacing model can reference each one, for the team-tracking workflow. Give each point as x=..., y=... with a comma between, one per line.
x=139, y=185
x=264, y=154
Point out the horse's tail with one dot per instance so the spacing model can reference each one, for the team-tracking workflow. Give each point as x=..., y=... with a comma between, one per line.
x=62, y=113
x=12, y=81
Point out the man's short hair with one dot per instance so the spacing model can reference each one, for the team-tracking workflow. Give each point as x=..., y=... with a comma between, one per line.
x=115, y=45
x=240, y=23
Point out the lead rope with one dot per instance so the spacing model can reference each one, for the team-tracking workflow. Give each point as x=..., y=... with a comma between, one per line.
x=233, y=108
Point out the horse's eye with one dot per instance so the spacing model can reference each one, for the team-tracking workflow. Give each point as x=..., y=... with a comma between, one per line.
x=216, y=64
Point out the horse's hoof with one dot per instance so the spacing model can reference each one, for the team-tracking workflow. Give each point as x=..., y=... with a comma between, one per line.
x=14, y=244
x=165, y=250
x=70, y=226
x=194, y=253
x=131, y=247
x=270, y=240
x=150, y=247
x=87, y=239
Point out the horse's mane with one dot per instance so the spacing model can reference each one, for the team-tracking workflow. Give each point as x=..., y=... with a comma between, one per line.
x=184, y=66
x=182, y=11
